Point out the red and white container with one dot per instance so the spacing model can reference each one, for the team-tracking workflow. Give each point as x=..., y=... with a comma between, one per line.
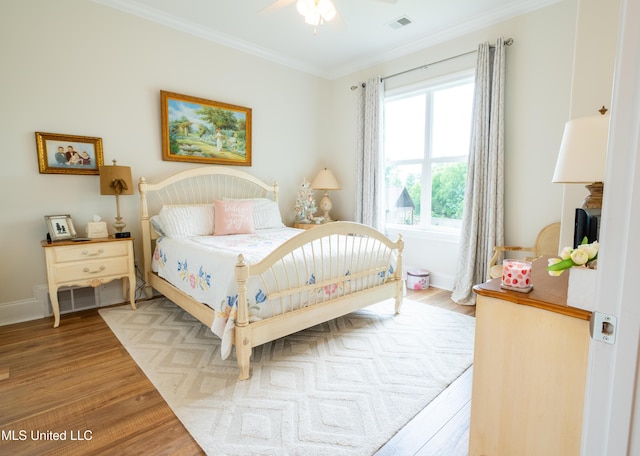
x=516, y=275
x=417, y=279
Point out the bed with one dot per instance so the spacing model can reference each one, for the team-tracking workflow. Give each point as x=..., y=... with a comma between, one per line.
x=214, y=244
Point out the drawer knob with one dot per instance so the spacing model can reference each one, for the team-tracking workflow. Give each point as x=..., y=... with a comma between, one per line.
x=93, y=272
x=86, y=252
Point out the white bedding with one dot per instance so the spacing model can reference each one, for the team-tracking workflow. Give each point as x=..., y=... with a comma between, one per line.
x=203, y=267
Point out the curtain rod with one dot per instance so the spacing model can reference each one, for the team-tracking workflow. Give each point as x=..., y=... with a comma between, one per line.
x=508, y=42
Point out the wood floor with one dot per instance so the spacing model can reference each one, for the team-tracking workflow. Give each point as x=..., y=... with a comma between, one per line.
x=75, y=390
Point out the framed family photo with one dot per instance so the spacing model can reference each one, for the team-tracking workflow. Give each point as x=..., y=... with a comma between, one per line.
x=60, y=227
x=67, y=154
x=204, y=131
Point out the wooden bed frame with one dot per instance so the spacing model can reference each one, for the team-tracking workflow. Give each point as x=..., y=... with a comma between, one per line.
x=206, y=184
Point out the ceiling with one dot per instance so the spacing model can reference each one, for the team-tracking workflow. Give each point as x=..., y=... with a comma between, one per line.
x=364, y=33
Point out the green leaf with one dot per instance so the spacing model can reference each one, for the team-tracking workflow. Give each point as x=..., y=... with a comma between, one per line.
x=562, y=265
x=585, y=240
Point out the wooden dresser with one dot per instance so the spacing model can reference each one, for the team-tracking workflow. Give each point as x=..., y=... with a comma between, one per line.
x=530, y=368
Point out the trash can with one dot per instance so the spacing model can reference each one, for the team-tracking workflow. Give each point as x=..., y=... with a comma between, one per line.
x=417, y=279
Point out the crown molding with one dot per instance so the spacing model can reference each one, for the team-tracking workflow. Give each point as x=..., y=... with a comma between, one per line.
x=516, y=8
x=168, y=20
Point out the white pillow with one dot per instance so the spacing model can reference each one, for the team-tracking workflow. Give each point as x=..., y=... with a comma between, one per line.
x=266, y=213
x=187, y=220
x=156, y=223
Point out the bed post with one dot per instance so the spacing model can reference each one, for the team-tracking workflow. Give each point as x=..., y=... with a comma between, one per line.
x=398, y=275
x=242, y=329
x=146, y=236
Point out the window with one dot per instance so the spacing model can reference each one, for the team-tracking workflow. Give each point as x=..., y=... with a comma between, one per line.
x=427, y=129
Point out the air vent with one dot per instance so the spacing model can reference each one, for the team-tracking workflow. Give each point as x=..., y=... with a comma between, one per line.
x=400, y=22
x=73, y=299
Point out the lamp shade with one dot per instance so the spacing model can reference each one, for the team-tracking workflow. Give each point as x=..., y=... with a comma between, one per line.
x=583, y=151
x=325, y=180
x=115, y=180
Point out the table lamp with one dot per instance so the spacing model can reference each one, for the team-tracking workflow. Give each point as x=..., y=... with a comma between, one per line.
x=583, y=154
x=325, y=180
x=116, y=180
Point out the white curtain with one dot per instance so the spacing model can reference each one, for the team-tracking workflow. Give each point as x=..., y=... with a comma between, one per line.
x=482, y=219
x=369, y=166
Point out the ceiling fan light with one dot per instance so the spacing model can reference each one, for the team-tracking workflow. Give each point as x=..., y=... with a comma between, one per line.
x=312, y=17
x=326, y=9
x=304, y=6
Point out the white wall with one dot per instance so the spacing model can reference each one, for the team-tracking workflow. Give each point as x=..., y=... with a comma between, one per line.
x=76, y=67
x=538, y=82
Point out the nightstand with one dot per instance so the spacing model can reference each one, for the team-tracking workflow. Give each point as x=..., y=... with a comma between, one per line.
x=89, y=263
x=308, y=226
x=305, y=226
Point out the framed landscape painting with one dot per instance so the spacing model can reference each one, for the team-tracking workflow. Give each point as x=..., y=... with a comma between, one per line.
x=68, y=154
x=204, y=131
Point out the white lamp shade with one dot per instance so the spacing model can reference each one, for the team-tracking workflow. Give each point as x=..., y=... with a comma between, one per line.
x=325, y=180
x=583, y=151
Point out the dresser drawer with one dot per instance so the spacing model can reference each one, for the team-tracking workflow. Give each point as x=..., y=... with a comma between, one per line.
x=92, y=269
x=89, y=251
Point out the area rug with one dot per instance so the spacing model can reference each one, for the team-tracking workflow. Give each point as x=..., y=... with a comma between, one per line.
x=344, y=387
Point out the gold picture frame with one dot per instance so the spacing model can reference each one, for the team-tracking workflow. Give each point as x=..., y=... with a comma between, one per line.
x=204, y=131
x=60, y=227
x=68, y=154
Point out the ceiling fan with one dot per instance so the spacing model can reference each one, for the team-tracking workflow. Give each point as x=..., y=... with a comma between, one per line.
x=315, y=12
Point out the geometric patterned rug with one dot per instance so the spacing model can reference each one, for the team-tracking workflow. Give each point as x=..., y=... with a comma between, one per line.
x=344, y=387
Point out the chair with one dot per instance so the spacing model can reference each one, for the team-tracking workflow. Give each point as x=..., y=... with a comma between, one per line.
x=547, y=243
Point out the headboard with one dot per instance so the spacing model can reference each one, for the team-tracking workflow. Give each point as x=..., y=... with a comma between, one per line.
x=200, y=185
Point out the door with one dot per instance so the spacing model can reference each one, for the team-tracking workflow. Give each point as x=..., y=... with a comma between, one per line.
x=612, y=410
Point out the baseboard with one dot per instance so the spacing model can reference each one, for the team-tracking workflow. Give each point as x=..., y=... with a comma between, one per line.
x=442, y=281
x=38, y=306
x=24, y=310
x=110, y=294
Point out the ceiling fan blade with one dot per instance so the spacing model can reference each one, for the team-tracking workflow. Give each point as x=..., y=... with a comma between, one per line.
x=278, y=4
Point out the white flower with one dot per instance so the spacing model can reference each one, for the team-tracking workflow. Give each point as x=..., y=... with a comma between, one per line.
x=591, y=249
x=579, y=256
x=585, y=255
x=565, y=254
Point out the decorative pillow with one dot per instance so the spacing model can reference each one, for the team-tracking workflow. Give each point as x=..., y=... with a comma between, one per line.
x=187, y=220
x=233, y=217
x=266, y=213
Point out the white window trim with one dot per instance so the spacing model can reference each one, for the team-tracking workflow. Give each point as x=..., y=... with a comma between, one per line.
x=427, y=229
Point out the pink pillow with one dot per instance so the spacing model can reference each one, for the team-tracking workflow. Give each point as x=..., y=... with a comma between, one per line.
x=233, y=217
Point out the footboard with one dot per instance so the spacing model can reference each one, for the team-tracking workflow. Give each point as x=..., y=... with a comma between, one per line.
x=321, y=274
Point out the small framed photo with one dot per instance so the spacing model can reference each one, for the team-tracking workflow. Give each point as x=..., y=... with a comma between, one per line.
x=204, y=131
x=60, y=227
x=67, y=154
